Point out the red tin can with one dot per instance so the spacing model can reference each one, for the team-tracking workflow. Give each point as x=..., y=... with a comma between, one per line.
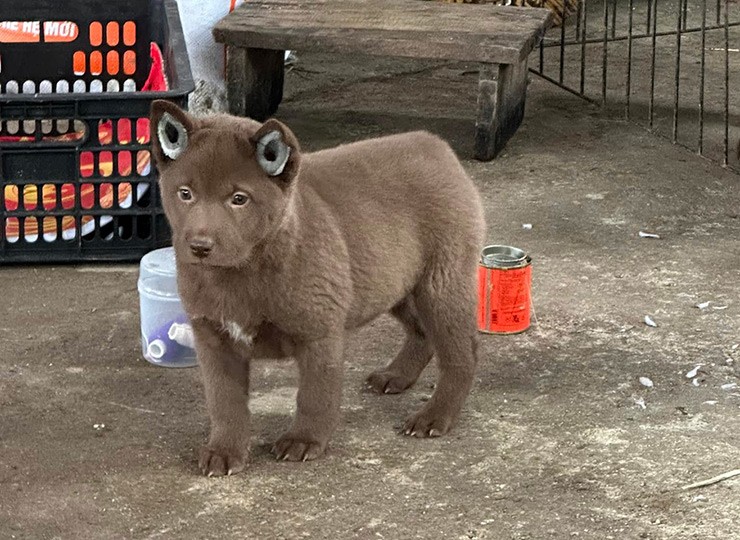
x=504, y=290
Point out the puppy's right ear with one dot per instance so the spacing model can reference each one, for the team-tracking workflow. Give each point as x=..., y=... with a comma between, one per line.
x=170, y=128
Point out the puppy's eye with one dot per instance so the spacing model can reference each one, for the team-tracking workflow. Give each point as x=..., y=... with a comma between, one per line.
x=185, y=194
x=239, y=199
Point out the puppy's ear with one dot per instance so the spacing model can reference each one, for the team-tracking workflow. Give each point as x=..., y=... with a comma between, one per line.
x=170, y=129
x=277, y=151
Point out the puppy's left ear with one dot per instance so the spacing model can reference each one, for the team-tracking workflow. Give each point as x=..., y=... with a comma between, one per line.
x=277, y=151
x=171, y=128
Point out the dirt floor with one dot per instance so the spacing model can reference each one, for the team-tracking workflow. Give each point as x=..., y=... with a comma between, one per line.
x=559, y=438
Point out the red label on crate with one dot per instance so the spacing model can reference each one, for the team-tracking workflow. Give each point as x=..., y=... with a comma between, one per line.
x=30, y=31
x=51, y=197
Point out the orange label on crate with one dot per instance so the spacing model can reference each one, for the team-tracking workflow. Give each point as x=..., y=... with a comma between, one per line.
x=30, y=31
x=504, y=299
x=65, y=196
x=50, y=200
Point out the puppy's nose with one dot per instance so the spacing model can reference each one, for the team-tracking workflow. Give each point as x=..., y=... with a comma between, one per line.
x=201, y=247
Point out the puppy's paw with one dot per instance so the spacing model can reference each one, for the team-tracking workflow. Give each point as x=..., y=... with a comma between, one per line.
x=385, y=381
x=291, y=447
x=216, y=461
x=428, y=422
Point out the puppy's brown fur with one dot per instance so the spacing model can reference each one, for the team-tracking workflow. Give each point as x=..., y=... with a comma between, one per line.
x=336, y=239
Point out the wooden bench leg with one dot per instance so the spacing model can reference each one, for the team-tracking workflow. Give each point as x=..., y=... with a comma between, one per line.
x=502, y=89
x=254, y=81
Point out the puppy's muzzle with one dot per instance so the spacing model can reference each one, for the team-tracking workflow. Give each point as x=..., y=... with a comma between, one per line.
x=201, y=247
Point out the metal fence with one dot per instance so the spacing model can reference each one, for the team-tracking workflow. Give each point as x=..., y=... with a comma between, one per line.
x=671, y=65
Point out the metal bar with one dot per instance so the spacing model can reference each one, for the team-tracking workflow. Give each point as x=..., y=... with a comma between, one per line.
x=651, y=108
x=542, y=56
x=583, y=48
x=726, y=159
x=563, y=87
x=556, y=43
x=605, y=52
x=562, y=45
x=628, y=81
x=614, y=18
x=579, y=7
x=649, y=19
x=703, y=73
x=685, y=14
x=719, y=12
x=677, y=73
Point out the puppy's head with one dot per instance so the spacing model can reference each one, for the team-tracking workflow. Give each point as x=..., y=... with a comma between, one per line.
x=226, y=182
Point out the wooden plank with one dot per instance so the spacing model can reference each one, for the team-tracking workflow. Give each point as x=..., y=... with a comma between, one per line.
x=332, y=9
x=410, y=28
x=418, y=45
x=488, y=26
x=502, y=94
x=402, y=16
x=409, y=14
x=254, y=82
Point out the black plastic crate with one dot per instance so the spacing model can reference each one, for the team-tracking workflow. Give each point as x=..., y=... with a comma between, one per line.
x=77, y=182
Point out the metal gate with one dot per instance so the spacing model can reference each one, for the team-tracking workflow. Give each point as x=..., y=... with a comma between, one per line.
x=670, y=65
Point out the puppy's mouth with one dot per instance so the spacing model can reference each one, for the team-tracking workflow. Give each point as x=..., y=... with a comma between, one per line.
x=207, y=261
x=212, y=261
x=215, y=258
x=185, y=255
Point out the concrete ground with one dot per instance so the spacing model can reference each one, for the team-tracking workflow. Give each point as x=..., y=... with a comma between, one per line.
x=559, y=438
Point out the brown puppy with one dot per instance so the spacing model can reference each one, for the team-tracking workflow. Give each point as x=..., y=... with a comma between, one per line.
x=280, y=253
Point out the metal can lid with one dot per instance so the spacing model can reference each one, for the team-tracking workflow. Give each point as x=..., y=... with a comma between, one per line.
x=503, y=257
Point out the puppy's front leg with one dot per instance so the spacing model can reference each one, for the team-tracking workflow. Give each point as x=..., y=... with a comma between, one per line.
x=226, y=379
x=319, y=398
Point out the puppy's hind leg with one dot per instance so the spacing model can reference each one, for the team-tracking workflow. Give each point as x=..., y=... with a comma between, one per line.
x=411, y=360
x=446, y=301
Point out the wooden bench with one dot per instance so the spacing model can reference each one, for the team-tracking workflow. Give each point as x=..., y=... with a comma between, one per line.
x=499, y=38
